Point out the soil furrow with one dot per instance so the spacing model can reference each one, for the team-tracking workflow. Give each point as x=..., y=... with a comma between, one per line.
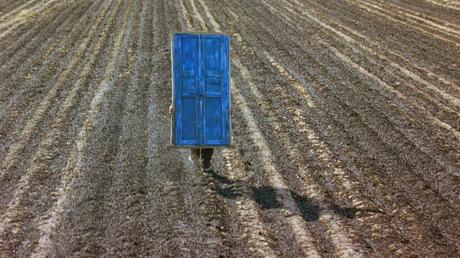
x=427, y=8
x=36, y=35
x=12, y=156
x=435, y=209
x=41, y=41
x=20, y=55
x=338, y=182
x=212, y=206
x=8, y=13
x=449, y=102
x=17, y=95
x=436, y=152
x=320, y=153
x=345, y=130
x=283, y=197
x=346, y=92
x=186, y=22
x=311, y=190
x=80, y=190
x=448, y=97
x=422, y=75
x=447, y=4
x=10, y=179
x=428, y=28
x=42, y=167
x=358, y=204
x=427, y=19
x=39, y=133
x=448, y=115
x=301, y=236
x=165, y=202
x=255, y=232
x=430, y=53
x=26, y=17
x=25, y=12
x=340, y=241
x=125, y=196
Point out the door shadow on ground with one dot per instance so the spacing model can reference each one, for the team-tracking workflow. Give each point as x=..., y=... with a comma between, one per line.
x=266, y=198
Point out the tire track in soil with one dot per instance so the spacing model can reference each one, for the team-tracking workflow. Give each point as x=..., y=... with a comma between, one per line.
x=27, y=83
x=79, y=191
x=17, y=219
x=336, y=112
x=13, y=155
x=341, y=242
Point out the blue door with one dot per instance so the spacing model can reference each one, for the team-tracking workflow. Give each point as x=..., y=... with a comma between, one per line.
x=201, y=86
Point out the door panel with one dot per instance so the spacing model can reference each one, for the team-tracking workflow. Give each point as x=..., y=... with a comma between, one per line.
x=201, y=89
x=213, y=86
x=214, y=49
x=189, y=54
x=185, y=69
x=213, y=125
x=189, y=115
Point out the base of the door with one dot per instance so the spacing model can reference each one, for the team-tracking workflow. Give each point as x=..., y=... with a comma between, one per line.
x=172, y=146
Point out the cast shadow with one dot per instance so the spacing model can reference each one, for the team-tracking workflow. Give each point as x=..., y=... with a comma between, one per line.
x=265, y=196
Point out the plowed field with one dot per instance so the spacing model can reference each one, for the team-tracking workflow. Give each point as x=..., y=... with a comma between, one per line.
x=345, y=116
